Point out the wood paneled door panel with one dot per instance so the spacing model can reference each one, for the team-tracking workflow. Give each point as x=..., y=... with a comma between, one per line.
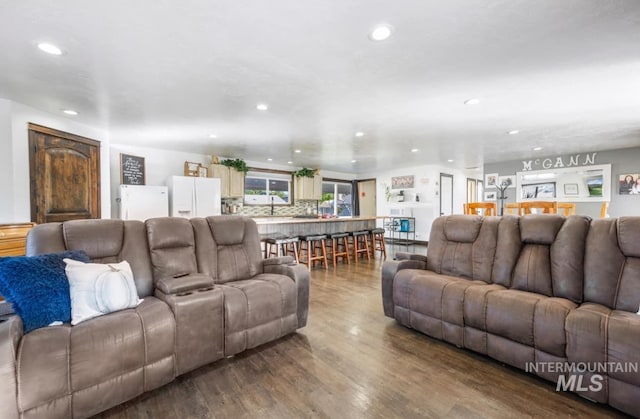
x=65, y=175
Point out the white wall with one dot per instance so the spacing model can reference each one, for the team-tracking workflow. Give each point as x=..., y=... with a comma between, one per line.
x=15, y=170
x=6, y=168
x=426, y=186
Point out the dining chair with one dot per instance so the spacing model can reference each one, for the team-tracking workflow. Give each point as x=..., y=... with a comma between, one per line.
x=511, y=208
x=481, y=208
x=567, y=208
x=540, y=207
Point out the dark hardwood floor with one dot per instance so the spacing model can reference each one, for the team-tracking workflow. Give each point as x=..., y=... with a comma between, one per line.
x=353, y=362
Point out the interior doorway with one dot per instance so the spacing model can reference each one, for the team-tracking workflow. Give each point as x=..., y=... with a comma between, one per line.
x=64, y=171
x=446, y=194
x=367, y=197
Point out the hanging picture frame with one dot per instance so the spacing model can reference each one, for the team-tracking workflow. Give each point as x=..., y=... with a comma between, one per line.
x=490, y=180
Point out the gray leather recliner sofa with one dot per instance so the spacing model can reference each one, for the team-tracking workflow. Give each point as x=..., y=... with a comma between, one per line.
x=544, y=293
x=207, y=294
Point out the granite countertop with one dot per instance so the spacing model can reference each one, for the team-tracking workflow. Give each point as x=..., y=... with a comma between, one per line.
x=296, y=220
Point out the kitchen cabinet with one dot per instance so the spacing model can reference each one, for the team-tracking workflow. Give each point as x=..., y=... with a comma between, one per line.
x=309, y=188
x=231, y=180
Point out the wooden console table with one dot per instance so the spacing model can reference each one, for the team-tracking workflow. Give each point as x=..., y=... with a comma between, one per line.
x=13, y=238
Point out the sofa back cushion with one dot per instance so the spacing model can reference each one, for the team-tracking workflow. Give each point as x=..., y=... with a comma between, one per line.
x=104, y=241
x=543, y=254
x=230, y=249
x=612, y=263
x=463, y=246
x=171, y=246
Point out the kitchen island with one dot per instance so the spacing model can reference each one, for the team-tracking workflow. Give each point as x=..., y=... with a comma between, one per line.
x=293, y=226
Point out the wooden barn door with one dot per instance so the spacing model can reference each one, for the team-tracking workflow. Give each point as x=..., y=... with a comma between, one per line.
x=65, y=175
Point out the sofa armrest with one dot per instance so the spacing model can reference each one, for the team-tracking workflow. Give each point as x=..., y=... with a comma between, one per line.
x=10, y=335
x=300, y=275
x=410, y=256
x=389, y=270
x=281, y=260
x=184, y=283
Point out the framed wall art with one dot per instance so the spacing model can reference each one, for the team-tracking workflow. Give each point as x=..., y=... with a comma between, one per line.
x=132, y=170
x=490, y=180
x=490, y=196
x=539, y=190
x=402, y=182
x=571, y=189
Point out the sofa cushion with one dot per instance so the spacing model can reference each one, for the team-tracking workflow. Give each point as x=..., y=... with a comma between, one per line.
x=432, y=303
x=99, y=363
x=629, y=231
x=510, y=314
x=543, y=254
x=623, y=346
x=533, y=270
x=463, y=246
x=37, y=287
x=238, y=252
x=258, y=310
x=540, y=228
x=530, y=319
x=172, y=247
x=586, y=330
x=613, y=283
x=106, y=241
x=462, y=229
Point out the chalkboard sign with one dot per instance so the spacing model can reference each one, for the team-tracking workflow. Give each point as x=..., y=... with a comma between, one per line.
x=131, y=170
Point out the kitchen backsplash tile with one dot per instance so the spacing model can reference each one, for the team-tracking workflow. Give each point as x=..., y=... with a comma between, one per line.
x=299, y=208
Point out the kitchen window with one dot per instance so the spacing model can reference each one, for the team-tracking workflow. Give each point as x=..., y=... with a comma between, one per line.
x=266, y=188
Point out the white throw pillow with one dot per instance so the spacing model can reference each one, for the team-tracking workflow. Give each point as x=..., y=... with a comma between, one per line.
x=98, y=289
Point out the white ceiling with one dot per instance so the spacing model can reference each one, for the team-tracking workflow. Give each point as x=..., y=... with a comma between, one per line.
x=166, y=74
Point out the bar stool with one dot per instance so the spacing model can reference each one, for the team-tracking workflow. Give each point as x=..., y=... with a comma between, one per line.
x=360, y=243
x=284, y=245
x=315, y=247
x=336, y=241
x=377, y=242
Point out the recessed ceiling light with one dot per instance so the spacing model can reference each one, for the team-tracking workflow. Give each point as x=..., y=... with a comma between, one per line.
x=414, y=150
x=473, y=101
x=380, y=32
x=49, y=48
x=450, y=161
x=289, y=162
x=213, y=136
x=537, y=148
x=353, y=161
x=297, y=151
x=359, y=134
x=70, y=112
x=262, y=106
x=513, y=132
x=269, y=159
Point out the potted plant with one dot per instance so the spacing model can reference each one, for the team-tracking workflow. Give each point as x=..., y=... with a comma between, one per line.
x=304, y=172
x=237, y=164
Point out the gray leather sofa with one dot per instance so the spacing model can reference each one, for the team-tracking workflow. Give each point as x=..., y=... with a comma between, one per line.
x=542, y=293
x=207, y=294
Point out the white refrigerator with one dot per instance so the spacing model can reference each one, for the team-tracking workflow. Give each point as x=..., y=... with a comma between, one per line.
x=140, y=202
x=194, y=196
